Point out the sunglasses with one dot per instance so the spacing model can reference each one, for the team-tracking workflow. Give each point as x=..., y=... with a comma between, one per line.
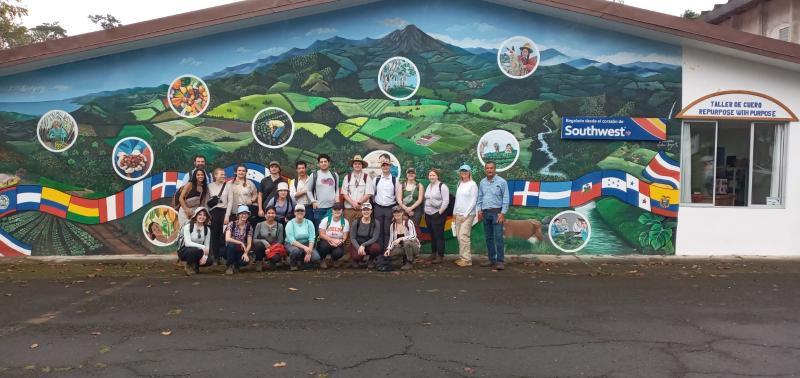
x=300, y=211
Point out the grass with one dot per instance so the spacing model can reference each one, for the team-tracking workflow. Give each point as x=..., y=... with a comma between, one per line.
x=305, y=103
x=418, y=111
x=139, y=131
x=612, y=162
x=174, y=127
x=360, y=121
x=317, y=129
x=412, y=148
x=502, y=111
x=358, y=137
x=247, y=107
x=143, y=114
x=360, y=108
x=347, y=129
x=386, y=129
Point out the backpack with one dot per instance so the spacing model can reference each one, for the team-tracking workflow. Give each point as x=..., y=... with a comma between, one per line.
x=349, y=176
x=181, y=241
x=330, y=216
x=450, y=204
x=313, y=178
x=355, y=226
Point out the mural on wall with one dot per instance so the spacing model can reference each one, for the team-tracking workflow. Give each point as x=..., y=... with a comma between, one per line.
x=431, y=84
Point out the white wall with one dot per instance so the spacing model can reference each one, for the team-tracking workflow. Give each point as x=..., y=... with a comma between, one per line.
x=743, y=231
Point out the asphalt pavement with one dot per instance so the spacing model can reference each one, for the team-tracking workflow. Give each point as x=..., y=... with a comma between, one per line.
x=576, y=318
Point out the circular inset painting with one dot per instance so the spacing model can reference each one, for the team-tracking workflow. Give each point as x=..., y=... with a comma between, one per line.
x=375, y=160
x=188, y=96
x=398, y=78
x=499, y=146
x=160, y=225
x=273, y=127
x=518, y=57
x=57, y=131
x=569, y=231
x=132, y=158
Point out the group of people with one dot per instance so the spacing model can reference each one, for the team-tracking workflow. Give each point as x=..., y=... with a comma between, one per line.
x=317, y=219
x=560, y=226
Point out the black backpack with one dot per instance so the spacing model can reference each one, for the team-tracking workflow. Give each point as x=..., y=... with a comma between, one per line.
x=451, y=204
x=206, y=233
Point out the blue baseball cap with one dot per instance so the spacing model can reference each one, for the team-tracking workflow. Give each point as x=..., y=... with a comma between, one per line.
x=465, y=167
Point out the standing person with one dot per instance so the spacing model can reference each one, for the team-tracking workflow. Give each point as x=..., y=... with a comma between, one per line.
x=322, y=188
x=283, y=204
x=492, y=206
x=268, y=187
x=385, y=199
x=300, y=237
x=412, y=194
x=364, y=237
x=402, y=242
x=437, y=197
x=464, y=214
x=219, y=189
x=200, y=164
x=196, y=242
x=192, y=196
x=239, y=239
x=242, y=192
x=297, y=187
x=333, y=231
x=268, y=241
x=356, y=189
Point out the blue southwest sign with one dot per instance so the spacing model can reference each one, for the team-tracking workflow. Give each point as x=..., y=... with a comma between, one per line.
x=614, y=128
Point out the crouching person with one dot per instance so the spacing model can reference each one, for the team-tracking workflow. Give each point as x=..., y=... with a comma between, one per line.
x=238, y=240
x=365, y=238
x=333, y=231
x=196, y=241
x=268, y=241
x=300, y=237
x=403, y=242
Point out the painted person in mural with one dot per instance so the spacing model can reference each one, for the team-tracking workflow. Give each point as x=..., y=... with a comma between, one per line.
x=464, y=214
x=492, y=206
x=527, y=59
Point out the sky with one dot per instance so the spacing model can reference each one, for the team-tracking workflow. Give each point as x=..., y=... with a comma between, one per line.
x=74, y=17
x=480, y=25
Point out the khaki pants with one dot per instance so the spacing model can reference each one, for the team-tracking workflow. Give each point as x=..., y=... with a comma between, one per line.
x=462, y=226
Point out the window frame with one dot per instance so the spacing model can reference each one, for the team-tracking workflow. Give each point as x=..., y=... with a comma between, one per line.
x=783, y=145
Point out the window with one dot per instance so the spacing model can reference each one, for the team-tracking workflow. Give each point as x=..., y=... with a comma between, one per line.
x=782, y=33
x=732, y=163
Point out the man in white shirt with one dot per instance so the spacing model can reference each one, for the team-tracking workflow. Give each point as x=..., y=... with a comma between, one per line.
x=356, y=189
x=464, y=214
x=297, y=188
x=385, y=188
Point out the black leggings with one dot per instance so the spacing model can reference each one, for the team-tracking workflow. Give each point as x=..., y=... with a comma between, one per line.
x=192, y=256
x=436, y=226
x=217, y=235
x=326, y=249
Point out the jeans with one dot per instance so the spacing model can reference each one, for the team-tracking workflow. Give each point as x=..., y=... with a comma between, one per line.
x=494, y=237
x=384, y=217
x=233, y=254
x=435, y=223
x=296, y=255
x=319, y=214
x=217, y=235
x=326, y=249
x=192, y=256
x=260, y=251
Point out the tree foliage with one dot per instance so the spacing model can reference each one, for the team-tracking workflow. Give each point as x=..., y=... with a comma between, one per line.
x=106, y=22
x=14, y=34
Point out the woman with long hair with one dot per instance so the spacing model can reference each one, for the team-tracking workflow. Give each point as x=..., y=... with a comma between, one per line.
x=242, y=192
x=196, y=242
x=411, y=194
x=365, y=238
x=283, y=204
x=403, y=242
x=193, y=195
x=239, y=240
x=219, y=189
x=268, y=241
x=437, y=197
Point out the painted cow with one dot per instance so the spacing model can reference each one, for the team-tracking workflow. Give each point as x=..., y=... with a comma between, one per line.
x=530, y=229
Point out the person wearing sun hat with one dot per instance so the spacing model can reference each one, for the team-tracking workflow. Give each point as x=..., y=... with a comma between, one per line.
x=356, y=189
x=464, y=214
x=239, y=240
x=283, y=204
x=526, y=57
x=195, y=244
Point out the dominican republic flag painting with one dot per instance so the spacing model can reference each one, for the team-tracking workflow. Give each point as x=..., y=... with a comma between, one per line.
x=525, y=193
x=664, y=170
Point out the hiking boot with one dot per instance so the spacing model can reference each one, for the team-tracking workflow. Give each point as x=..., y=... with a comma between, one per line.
x=487, y=264
x=324, y=263
x=337, y=264
x=272, y=266
x=259, y=266
x=371, y=264
x=463, y=263
x=293, y=268
x=229, y=271
x=407, y=266
x=188, y=269
x=499, y=266
x=353, y=264
x=196, y=268
x=437, y=260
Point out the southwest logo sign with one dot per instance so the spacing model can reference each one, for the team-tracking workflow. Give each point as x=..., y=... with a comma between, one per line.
x=614, y=128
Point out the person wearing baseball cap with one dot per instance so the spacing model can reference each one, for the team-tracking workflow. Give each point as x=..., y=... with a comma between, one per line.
x=239, y=240
x=365, y=239
x=333, y=232
x=464, y=214
x=300, y=238
x=268, y=186
x=411, y=194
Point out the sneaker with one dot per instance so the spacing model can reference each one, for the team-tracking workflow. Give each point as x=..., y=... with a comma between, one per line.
x=188, y=269
x=487, y=264
x=407, y=266
x=259, y=266
x=499, y=266
x=463, y=263
x=229, y=271
x=293, y=268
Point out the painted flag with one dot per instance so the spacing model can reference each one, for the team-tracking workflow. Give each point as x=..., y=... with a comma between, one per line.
x=163, y=185
x=525, y=193
x=29, y=197
x=112, y=207
x=11, y=247
x=586, y=188
x=255, y=172
x=614, y=184
x=555, y=194
x=8, y=201
x=140, y=195
x=82, y=210
x=657, y=127
x=663, y=169
x=54, y=202
x=664, y=200
x=638, y=193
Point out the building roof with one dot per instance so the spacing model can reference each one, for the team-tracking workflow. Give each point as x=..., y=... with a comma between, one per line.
x=721, y=12
x=599, y=13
